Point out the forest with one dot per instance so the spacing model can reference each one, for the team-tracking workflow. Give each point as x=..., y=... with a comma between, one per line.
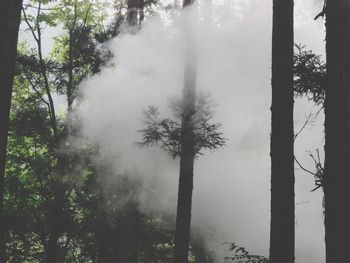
x=158, y=131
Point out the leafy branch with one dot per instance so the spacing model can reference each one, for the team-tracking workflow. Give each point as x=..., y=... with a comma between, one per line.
x=309, y=75
x=166, y=133
x=241, y=255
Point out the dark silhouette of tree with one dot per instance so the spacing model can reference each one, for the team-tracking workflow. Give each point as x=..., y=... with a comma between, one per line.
x=172, y=137
x=134, y=14
x=282, y=155
x=10, y=15
x=336, y=180
x=184, y=198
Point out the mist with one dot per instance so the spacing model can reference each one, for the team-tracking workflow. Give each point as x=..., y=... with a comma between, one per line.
x=231, y=198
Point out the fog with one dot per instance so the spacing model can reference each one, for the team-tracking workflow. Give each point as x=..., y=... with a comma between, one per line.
x=231, y=199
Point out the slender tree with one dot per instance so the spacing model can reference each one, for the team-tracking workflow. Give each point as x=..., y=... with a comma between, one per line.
x=282, y=158
x=134, y=15
x=187, y=154
x=130, y=224
x=10, y=16
x=337, y=130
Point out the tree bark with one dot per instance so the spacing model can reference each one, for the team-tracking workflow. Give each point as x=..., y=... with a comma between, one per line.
x=56, y=216
x=134, y=15
x=184, y=202
x=10, y=16
x=282, y=158
x=129, y=234
x=337, y=132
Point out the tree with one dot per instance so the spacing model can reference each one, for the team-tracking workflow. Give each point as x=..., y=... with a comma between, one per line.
x=134, y=15
x=282, y=156
x=10, y=16
x=169, y=135
x=336, y=181
x=184, y=198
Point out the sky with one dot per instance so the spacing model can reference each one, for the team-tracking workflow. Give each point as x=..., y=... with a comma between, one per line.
x=231, y=198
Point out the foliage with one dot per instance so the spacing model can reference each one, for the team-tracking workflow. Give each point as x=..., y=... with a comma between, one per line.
x=310, y=81
x=241, y=255
x=166, y=132
x=309, y=75
x=38, y=175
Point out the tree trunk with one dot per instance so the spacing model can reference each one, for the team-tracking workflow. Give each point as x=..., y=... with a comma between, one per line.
x=10, y=16
x=134, y=15
x=337, y=129
x=184, y=202
x=282, y=156
x=56, y=223
x=129, y=234
x=52, y=248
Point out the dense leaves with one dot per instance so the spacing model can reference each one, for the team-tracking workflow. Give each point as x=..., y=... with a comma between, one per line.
x=309, y=75
x=166, y=132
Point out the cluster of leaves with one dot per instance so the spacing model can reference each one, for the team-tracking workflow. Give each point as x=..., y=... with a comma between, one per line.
x=30, y=169
x=241, y=255
x=166, y=132
x=309, y=75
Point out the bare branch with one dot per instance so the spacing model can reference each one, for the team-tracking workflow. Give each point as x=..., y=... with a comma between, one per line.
x=303, y=168
x=303, y=126
x=32, y=30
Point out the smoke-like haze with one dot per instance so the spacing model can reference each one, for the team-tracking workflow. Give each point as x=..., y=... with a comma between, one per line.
x=232, y=187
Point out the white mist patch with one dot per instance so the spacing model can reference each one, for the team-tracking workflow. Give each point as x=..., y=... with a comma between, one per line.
x=231, y=199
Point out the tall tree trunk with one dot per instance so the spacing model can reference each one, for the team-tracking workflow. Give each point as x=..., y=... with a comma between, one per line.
x=10, y=16
x=56, y=216
x=337, y=129
x=134, y=15
x=184, y=201
x=282, y=157
x=129, y=234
